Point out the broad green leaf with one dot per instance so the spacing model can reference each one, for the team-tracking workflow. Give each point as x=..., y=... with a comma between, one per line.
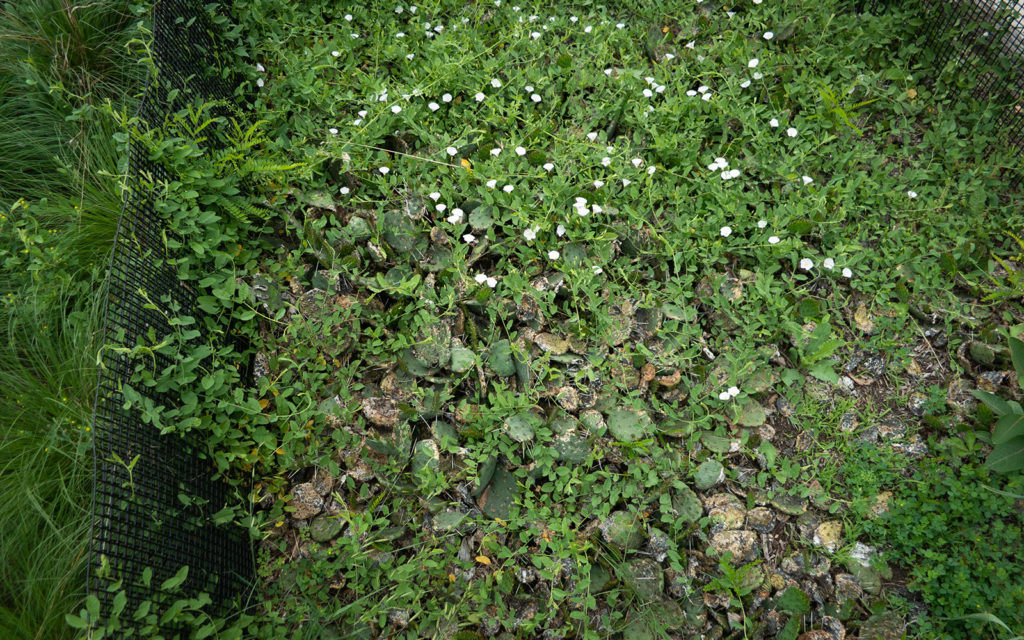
x=175, y=581
x=120, y=600
x=1017, y=354
x=75, y=622
x=1007, y=457
x=993, y=402
x=1007, y=428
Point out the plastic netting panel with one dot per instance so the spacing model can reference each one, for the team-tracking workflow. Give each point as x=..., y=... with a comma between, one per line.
x=138, y=519
x=983, y=39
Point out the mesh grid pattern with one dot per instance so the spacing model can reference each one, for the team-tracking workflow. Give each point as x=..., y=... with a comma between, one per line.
x=976, y=37
x=138, y=519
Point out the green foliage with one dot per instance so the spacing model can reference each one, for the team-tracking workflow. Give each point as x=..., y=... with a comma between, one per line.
x=1007, y=454
x=962, y=544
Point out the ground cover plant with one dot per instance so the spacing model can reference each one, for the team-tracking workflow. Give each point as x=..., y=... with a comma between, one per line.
x=653, y=320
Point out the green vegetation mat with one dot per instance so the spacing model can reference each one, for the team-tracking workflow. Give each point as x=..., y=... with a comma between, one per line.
x=627, y=320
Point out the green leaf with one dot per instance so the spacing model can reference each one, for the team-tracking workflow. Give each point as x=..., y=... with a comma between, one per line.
x=769, y=451
x=793, y=601
x=1007, y=457
x=1017, y=354
x=1007, y=428
x=790, y=631
x=75, y=622
x=823, y=371
x=993, y=402
x=175, y=581
x=990, y=618
x=120, y=600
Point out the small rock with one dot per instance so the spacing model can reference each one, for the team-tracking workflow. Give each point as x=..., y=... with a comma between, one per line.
x=817, y=634
x=781, y=581
x=937, y=336
x=551, y=343
x=789, y=504
x=868, y=435
x=323, y=482
x=874, y=366
x=742, y=544
x=725, y=512
x=845, y=384
x=847, y=588
x=773, y=622
x=990, y=381
x=382, y=412
x=306, y=500
x=784, y=406
x=805, y=563
x=659, y=544
x=916, y=403
x=891, y=428
x=914, y=447
x=568, y=398
x=885, y=626
x=848, y=421
x=526, y=575
x=761, y=519
x=881, y=505
x=828, y=535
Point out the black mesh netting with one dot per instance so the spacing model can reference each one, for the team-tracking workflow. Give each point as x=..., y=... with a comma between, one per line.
x=983, y=39
x=138, y=519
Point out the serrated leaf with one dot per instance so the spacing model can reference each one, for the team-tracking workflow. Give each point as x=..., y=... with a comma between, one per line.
x=823, y=371
x=1007, y=428
x=793, y=601
x=1007, y=457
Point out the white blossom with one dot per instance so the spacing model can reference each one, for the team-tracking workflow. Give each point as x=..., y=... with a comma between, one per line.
x=807, y=179
x=433, y=106
x=791, y=132
x=847, y=273
x=479, y=96
x=446, y=97
x=560, y=231
x=768, y=35
x=495, y=83
x=344, y=191
x=456, y=216
x=520, y=151
x=733, y=391
x=553, y=255
x=828, y=263
x=753, y=63
x=773, y=240
x=452, y=151
x=383, y=170
x=806, y=264
x=333, y=131
x=508, y=188
x=761, y=224
x=548, y=166
x=469, y=238
x=725, y=231
x=491, y=184
x=773, y=123
x=396, y=109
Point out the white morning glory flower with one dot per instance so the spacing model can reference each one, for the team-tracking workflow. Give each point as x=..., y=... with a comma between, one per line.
x=362, y=114
x=648, y=93
x=480, y=278
x=608, y=72
x=333, y=131
x=433, y=106
x=535, y=97
x=745, y=84
x=479, y=96
x=706, y=97
x=535, y=35
x=598, y=183
x=757, y=75
x=507, y=188
x=807, y=179
x=259, y=82
x=560, y=231
x=441, y=207
x=691, y=93
x=396, y=109
x=791, y=132
x=495, y=151
x=725, y=231
x=528, y=88
x=597, y=270
x=446, y=97
x=605, y=161
x=434, y=195
x=650, y=170
x=761, y=224
x=773, y=123
x=773, y=240
x=592, y=135
x=806, y=264
x=399, y=35
x=452, y=151
x=573, y=19
x=690, y=44
x=587, y=29
x=768, y=35
x=469, y=238
x=828, y=263
x=456, y=216
x=753, y=63
x=548, y=166
x=410, y=56
x=847, y=273
x=492, y=282
x=260, y=68
x=495, y=83
x=383, y=170
x=553, y=255
x=520, y=151
x=357, y=122
x=724, y=395
x=626, y=182
x=348, y=17
x=343, y=191
x=702, y=88
x=668, y=56
x=335, y=53
x=531, y=233
x=734, y=391
x=911, y=194
x=491, y=184
x=637, y=162
x=621, y=25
